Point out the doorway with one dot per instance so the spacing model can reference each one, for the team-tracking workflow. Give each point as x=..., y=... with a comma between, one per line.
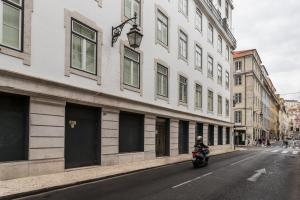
x=162, y=141
x=82, y=136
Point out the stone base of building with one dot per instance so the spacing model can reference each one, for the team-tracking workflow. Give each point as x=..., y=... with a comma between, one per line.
x=54, y=114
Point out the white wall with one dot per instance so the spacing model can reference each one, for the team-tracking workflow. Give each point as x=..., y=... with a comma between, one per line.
x=48, y=53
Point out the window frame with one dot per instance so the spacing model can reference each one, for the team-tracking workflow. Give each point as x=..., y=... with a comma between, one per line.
x=24, y=53
x=210, y=109
x=198, y=47
x=238, y=98
x=238, y=117
x=139, y=68
x=159, y=63
x=73, y=15
x=238, y=80
x=21, y=9
x=159, y=10
x=85, y=38
x=209, y=57
x=227, y=108
x=180, y=7
x=210, y=28
x=198, y=105
x=227, y=80
x=238, y=66
x=185, y=100
x=220, y=106
x=220, y=74
x=124, y=17
x=220, y=44
x=199, y=15
x=180, y=40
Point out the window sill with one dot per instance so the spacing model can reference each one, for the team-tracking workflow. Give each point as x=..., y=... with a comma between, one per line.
x=131, y=88
x=183, y=104
x=167, y=47
x=17, y=54
x=199, y=69
x=95, y=77
x=183, y=59
x=162, y=98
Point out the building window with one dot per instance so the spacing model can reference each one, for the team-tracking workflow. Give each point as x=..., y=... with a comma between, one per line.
x=84, y=48
x=11, y=20
x=183, y=90
x=131, y=7
x=227, y=107
x=210, y=101
x=220, y=105
x=220, y=44
x=183, y=7
x=220, y=2
x=220, y=72
x=238, y=80
x=131, y=71
x=198, y=96
x=162, y=28
x=162, y=81
x=227, y=80
x=198, y=20
x=183, y=43
x=210, y=34
x=238, y=117
x=198, y=57
x=227, y=9
x=210, y=67
x=238, y=98
x=238, y=66
x=227, y=52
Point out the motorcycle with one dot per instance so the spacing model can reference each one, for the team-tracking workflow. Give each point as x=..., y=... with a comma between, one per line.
x=200, y=157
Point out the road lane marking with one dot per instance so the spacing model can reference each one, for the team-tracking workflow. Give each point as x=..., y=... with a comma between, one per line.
x=274, y=151
x=285, y=152
x=257, y=174
x=295, y=152
x=235, y=163
x=189, y=181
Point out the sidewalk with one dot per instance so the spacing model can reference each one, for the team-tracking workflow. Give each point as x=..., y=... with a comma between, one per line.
x=76, y=176
x=31, y=185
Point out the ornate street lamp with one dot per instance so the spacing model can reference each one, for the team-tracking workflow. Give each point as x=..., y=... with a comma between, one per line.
x=134, y=35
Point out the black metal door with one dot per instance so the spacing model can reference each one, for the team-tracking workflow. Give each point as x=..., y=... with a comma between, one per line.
x=82, y=130
x=131, y=132
x=13, y=127
x=162, y=137
x=211, y=135
x=183, y=137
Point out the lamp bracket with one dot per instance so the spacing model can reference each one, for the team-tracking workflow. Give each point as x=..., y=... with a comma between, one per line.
x=116, y=31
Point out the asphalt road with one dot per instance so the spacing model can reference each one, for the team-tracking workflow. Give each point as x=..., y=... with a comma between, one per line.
x=252, y=174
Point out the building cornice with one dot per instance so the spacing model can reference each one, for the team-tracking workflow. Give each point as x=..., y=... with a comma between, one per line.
x=221, y=23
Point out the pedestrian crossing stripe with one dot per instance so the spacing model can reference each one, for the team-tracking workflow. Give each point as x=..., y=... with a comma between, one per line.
x=285, y=152
x=274, y=151
x=295, y=152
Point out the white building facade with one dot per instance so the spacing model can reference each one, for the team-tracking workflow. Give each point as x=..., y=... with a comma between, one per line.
x=70, y=99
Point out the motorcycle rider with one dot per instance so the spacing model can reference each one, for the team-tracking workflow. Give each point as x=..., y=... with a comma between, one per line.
x=200, y=145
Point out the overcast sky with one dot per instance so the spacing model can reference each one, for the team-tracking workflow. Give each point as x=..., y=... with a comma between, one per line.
x=273, y=28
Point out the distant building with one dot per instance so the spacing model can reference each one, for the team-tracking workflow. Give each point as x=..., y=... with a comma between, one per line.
x=256, y=104
x=293, y=109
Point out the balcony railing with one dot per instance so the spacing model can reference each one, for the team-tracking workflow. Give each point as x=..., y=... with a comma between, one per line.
x=222, y=22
